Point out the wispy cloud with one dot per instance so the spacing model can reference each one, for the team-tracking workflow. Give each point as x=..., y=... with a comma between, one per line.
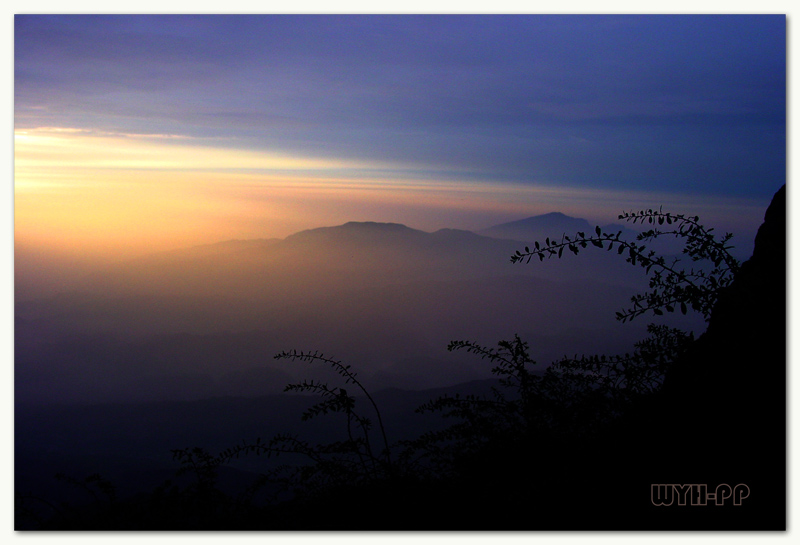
x=665, y=101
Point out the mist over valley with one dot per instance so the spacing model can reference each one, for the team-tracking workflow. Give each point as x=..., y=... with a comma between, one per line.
x=386, y=298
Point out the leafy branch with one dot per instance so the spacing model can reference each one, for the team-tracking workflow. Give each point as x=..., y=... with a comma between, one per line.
x=671, y=287
x=338, y=398
x=625, y=377
x=481, y=419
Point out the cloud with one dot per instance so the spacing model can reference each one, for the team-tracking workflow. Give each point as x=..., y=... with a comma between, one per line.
x=578, y=99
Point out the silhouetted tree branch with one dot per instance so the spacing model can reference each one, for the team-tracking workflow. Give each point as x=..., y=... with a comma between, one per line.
x=671, y=286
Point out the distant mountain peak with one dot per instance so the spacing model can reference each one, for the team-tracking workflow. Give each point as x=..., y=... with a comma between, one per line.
x=373, y=226
x=355, y=230
x=553, y=224
x=455, y=232
x=544, y=218
x=552, y=215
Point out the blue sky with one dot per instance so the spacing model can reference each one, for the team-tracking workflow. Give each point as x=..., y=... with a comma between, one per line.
x=675, y=103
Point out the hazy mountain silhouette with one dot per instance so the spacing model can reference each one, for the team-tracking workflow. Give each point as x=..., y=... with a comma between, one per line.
x=555, y=224
x=551, y=225
x=197, y=321
x=343, y=257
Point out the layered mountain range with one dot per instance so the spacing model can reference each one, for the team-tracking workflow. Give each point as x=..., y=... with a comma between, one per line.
x=206, y=321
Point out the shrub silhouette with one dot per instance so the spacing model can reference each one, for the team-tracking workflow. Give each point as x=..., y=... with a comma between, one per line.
x=355, y=461
x=581, y=395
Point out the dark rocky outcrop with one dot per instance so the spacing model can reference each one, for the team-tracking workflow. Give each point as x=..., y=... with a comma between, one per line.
x=721, y=416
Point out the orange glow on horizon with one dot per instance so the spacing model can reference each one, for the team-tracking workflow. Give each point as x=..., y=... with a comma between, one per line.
x=102, y=194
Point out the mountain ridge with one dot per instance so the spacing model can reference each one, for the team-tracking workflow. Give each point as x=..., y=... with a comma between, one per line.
x=550, y=221
x=371, y=293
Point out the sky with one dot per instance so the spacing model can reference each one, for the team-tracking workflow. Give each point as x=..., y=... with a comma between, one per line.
x=137, y=133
